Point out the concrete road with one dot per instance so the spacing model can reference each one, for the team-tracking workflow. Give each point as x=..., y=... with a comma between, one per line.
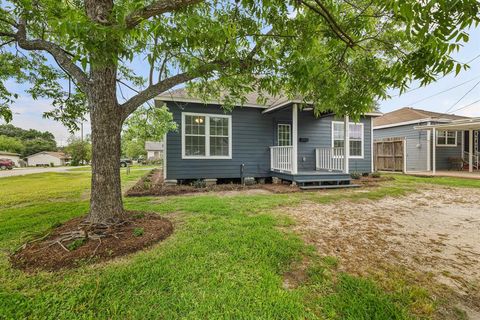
x=25, y=171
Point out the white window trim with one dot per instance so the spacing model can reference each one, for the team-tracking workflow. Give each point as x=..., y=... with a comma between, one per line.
x=278, y=133
x=363, y=137
x=445, y=144
x=207, y=135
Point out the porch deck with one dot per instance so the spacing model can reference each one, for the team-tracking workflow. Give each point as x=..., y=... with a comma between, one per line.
x=316, y=179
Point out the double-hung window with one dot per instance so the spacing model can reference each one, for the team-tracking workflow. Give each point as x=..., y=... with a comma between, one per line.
x=446, y=138
x=355, y=134
x=206, y=136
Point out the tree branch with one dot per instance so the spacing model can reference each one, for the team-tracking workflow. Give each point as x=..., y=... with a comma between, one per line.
x=332, y=23
x=152, y=91
x=61, y=56
x=155, y=9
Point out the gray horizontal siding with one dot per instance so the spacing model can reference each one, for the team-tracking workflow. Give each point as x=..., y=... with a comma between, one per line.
x=253, y=134
x=417, y=146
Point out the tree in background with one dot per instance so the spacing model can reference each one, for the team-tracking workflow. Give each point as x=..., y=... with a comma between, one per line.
x=11, y=144
x=79, y=150
x=145, y=124
x=32, y=140
x=341, y=55
x=36, y=145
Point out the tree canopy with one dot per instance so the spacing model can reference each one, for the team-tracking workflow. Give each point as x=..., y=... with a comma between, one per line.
x=25, y=142
x=145, y=124
x=340, y=54
x=80, y=150
x=89, y=56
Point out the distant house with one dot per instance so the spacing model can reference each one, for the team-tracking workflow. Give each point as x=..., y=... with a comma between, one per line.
x=154, y=150
x=15, y=157
x=430, y=140
x=281, y=138
x=46, y=158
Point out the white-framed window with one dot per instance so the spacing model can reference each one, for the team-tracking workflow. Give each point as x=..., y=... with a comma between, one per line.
x=206, y=136
x=284, y=134
x=356, y=135
x=446, y=138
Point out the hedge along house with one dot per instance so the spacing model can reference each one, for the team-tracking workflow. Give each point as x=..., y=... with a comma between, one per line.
x=280, y=139
x=425, y=149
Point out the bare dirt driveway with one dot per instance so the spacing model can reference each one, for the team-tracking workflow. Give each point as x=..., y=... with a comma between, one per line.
x=433, y=234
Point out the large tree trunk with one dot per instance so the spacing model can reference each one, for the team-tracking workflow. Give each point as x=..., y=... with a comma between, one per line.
x=106, y=196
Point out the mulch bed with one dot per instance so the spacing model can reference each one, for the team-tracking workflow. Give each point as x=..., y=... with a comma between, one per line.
x=141, y=230
x=152, y=185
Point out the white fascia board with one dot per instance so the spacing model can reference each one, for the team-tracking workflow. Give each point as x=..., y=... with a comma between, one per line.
x=399, y=124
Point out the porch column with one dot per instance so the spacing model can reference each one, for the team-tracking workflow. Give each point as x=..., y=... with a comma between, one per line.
x=429, y=157
x=470, y=150
x=295, y=138
x=346, y=144
x=434, y=150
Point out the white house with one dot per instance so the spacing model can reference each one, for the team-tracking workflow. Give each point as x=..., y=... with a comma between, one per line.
x=154, y=150
x=46, y=158
x=15, y=157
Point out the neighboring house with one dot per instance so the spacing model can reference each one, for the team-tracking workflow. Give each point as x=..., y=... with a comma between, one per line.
x=15, y=157
x=446, y=144
x=46, y=158
x=154, y=150
x=282, y=139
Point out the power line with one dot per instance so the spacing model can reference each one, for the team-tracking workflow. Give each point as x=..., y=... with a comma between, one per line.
x=440, y=92
x=471, y=89
x=468, y=105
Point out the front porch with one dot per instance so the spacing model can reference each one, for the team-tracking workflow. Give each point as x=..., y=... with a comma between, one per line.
x=316, y=179
x=330, y=168
x=284, y=156
x=469, y=155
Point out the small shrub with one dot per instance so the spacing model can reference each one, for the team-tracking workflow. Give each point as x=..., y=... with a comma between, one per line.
x=364, y=174
x=376, y=175
x=355, y=175
x=75, y=244
x=52, y=164
x=199, y=184
x=138, y=232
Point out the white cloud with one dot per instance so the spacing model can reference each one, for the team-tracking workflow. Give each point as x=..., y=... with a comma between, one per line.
x=28, y=114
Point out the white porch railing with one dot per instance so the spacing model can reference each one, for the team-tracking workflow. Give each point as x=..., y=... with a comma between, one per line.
x=281, y=158
x=475, y=159
x=331, y=159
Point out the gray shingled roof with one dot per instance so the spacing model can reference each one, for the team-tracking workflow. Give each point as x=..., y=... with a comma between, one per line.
x=252, y=99
x=411, y=114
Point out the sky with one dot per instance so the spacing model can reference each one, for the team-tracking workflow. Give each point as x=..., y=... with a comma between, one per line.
x=28, y=113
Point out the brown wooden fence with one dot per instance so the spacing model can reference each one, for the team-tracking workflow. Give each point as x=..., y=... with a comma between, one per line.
x=389, y=154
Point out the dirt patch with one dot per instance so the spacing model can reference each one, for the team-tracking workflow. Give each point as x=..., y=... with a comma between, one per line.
x=139, y=231
x=434, y=232
x=152, y=185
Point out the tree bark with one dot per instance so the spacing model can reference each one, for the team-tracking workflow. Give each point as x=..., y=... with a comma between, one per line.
x=106, y=197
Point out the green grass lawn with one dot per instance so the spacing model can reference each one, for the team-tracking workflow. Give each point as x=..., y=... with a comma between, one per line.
x=225, y=260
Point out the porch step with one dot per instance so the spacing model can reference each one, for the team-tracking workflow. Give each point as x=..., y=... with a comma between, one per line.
x=331, y=186
x=346, y=179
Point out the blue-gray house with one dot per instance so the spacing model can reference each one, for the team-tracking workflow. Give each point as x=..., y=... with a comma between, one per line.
x=431, y=141
x=281, y=138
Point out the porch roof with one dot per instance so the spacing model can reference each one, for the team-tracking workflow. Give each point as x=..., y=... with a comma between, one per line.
x=464, y=124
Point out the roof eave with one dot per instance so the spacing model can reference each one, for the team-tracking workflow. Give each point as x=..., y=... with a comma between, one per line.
x=195, y=100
